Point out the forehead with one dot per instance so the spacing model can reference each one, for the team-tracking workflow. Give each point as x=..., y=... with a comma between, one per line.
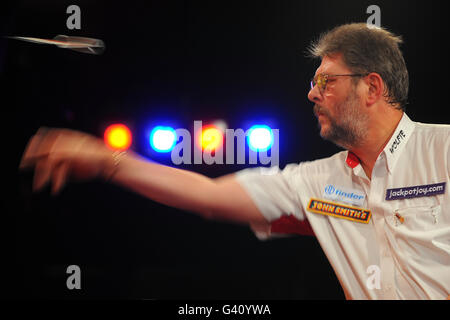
x=332, y=64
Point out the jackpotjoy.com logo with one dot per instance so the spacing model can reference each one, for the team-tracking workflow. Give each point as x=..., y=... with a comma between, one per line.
x=215, y=145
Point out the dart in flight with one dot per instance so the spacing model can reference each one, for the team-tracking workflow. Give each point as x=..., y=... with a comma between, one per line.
x=81, y=44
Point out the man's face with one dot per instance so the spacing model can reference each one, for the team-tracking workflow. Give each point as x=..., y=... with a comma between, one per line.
x=339, y=108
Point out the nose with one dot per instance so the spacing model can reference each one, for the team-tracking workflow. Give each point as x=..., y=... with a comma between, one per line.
x=314, y=94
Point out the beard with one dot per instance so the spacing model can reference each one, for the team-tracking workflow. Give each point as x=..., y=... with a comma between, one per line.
x=348, y=129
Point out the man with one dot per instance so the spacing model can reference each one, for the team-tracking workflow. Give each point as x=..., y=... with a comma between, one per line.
x=380, y=209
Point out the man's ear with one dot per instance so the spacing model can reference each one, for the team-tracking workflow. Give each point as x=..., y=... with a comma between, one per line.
x=375, y=86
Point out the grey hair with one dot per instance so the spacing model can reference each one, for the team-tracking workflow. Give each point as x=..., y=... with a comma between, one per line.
x=367, y=49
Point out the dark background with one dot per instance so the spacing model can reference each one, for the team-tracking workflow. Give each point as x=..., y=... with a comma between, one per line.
x=173, y=62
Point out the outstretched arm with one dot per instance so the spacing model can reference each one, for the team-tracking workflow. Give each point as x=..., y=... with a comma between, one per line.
x=57, y=154
x=221, y=198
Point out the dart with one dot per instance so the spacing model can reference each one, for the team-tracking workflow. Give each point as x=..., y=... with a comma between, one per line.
x=81, y=44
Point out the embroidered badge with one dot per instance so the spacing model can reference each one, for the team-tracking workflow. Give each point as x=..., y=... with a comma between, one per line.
x=426, y=190
x=342, y=194
x=339, y=210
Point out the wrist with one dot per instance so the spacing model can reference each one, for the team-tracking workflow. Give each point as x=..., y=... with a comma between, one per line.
x=112, y=163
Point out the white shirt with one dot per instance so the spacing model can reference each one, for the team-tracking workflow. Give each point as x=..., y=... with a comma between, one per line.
x=403, y=252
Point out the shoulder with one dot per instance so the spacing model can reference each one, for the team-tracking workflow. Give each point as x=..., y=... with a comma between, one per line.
x=431, y=129
x=315, y=170
x=432, y=134
x=336, y=161
x=321, y=167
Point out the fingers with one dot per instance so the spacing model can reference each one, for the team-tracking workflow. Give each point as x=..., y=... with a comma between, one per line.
x=56, y=152
x=59, y=176
x=31, y=148
x=43, y=143
x=37, y=153
x=49, y=169
x=42, y=174
x=48, y=140
x=40, y=145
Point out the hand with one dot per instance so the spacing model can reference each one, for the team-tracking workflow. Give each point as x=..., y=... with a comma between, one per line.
x=57, y=154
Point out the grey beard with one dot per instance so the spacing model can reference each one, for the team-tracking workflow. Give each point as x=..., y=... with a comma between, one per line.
x=349, y=128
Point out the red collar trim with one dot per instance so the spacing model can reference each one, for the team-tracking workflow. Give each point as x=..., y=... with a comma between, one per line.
x=352, y=160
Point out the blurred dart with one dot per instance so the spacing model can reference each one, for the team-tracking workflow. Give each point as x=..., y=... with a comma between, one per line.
x=81, y=44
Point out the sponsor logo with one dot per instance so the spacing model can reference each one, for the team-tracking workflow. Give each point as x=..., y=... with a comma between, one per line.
x=329, y=189
x=342, y=194
x=426, y=190
x=401, y=135
x=339, y=210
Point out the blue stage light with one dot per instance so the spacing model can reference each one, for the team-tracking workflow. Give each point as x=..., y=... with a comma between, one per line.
x=260, y=138
x=163, y=139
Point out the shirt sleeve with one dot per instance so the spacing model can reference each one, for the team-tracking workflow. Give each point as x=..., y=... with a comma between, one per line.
x=273, y=192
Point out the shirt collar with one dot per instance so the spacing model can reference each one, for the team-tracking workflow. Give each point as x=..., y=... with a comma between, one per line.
x=398, y=141
x=393, y=148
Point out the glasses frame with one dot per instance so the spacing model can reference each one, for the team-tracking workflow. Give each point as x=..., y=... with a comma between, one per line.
x=322, y=83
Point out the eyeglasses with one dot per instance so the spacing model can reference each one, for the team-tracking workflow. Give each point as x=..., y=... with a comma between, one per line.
x=321, y=79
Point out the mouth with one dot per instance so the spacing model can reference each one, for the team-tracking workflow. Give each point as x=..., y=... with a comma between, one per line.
x=318, y=112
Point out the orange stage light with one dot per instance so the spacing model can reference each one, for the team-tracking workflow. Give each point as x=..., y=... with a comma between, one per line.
x=211, y=138
x=118, y=137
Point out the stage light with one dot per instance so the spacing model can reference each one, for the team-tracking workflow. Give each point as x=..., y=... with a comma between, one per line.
x=163, y=139
x=211, y=138
x=118, y=137
x=260, y=138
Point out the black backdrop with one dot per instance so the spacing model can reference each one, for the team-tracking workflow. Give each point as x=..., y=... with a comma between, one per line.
x=177, y=61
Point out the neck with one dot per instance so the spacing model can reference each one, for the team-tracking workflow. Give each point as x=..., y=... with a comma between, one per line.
x=380, y=131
